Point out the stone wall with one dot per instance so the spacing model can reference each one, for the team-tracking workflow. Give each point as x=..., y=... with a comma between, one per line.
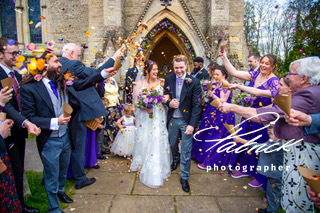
x=67, y=20
x=199, y=12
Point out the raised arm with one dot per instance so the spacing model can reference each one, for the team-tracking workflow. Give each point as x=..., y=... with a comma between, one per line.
x=243, y=75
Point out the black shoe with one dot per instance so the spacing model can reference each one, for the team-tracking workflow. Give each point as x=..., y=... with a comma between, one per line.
x=105, y=151
x=262, y=210
x=28, y=209
x=65, y=198
x=101, y=157
x=174, y=165
x=87, y=182
x=185, y=185
x=95, y=167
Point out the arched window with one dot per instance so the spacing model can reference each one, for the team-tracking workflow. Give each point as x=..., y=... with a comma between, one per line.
x=34, y=16
x=8, y=19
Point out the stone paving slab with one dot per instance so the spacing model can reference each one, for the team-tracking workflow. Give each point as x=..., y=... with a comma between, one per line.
x=240, y=204
x=114, y=163
x=221, y=185
x=90, y=203
x=142, y=204
x=108, y=183
x=199, y=204
x=171, y=187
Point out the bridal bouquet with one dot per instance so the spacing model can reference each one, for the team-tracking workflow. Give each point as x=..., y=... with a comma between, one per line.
x=149, y=98
x=244, y=99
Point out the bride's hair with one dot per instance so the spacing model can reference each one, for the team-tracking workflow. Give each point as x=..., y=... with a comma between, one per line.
x=148, y=64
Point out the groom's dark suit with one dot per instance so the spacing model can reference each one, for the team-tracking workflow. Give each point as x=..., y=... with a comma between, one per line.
x=190, y=108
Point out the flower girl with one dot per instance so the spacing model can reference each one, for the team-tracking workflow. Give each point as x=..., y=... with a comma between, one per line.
x=124, y=141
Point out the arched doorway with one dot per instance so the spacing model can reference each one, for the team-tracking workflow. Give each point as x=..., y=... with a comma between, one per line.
x=163, y=53
x=165, y=41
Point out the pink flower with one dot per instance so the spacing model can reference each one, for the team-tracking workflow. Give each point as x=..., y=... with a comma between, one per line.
x=38, y=77
x=69, y=82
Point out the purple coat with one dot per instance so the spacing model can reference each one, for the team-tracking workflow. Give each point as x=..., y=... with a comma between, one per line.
x=306, y=100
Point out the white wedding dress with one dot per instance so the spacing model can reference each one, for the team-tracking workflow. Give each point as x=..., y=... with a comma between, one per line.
x=151, y=151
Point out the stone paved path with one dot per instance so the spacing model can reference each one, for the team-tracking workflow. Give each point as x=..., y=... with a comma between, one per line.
x=117, y=190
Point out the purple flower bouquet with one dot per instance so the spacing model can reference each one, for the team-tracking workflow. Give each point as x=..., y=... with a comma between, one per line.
x=149, y=98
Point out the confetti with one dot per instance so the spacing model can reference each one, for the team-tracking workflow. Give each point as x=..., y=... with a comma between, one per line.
x=276, y=6
x=38, y=25
x=31, y=46
x=31, y=22
x=11, y=42
x=42, y=17
x=88, y=33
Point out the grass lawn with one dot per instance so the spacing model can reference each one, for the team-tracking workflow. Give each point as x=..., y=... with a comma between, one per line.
x=38, y=198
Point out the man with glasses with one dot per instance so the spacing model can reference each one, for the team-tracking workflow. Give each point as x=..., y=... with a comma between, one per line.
x=15, y=144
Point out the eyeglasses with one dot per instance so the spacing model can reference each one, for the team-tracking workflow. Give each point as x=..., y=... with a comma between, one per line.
x=290, y=73
x=14, y=54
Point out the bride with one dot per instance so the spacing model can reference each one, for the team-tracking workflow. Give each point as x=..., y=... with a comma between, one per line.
x=151, y=152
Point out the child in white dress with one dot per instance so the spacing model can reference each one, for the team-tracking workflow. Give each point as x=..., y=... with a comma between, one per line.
x=124, y=141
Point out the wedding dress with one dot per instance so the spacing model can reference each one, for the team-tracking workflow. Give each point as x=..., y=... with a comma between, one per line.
x=151, y=151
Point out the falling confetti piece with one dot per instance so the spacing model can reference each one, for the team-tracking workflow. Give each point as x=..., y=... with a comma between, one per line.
x=245, y=187
x=38, y=25
x=31, y=22
x=42, y=17
x=11, y=42
x=46, y=31
x=88, y=33
x=276, y=6
x=31, y=46
x=20, y=58
x=301, y=51
x=291, y=16
x=294, y=30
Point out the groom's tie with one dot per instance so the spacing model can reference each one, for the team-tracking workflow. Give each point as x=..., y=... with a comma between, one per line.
x=179, y=80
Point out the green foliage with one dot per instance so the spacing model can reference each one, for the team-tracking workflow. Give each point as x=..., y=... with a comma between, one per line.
x=38, y=198
x=307, y=29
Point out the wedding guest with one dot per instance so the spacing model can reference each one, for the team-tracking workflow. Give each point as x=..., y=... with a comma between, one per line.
x=9, y=200
x=130, y=78
x=124, y=141
x=199, y=71
x=15, y=143
x=114, y=111
x=213, y=118
x=304, y=77
x=42, y=103
x=253, y=63
x=91, y=104
x=264, y=85
x=100, y=133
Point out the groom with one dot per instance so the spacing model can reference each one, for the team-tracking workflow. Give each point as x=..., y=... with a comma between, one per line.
x=183, y=115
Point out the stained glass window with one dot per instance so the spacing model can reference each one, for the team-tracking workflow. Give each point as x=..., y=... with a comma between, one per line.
x=8, y=19
x=34, y=16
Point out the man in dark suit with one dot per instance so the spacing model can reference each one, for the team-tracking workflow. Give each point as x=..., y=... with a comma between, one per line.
x=183, y=115
x=42, y=103
x=15, y=143
x=130, y=78
x=199, y=71
x=91, y=104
